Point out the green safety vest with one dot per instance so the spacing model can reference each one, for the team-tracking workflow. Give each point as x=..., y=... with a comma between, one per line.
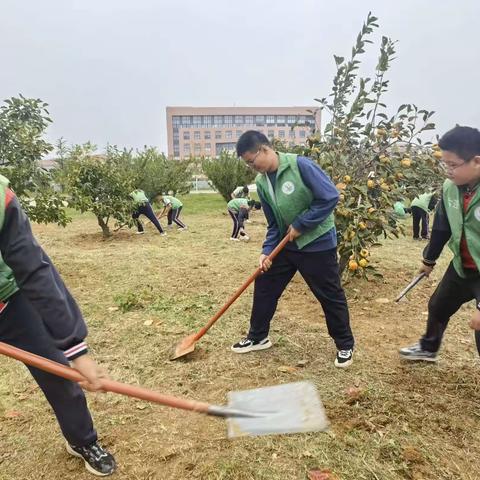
x=291, y=198
x=461, y=222
x=8, y=285
x=236, y=203
x=422, y=201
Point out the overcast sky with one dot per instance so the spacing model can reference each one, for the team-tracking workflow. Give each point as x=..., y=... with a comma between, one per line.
x=108, y=68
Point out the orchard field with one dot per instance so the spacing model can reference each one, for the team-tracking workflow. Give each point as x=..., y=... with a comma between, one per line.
x=142, y=294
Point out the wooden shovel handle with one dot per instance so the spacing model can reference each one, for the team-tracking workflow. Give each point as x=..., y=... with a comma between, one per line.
x=250, y=279
x=107, y=385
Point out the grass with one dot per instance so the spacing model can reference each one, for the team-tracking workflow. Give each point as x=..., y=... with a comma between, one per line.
x=142, y=294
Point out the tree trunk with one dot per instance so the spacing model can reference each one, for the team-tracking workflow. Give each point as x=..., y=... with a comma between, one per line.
x=342, y=265
x=105, y=229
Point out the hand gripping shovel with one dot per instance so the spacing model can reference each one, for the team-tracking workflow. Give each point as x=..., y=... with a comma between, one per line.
x=288, y=408
x=410, y=286
x=187, y=345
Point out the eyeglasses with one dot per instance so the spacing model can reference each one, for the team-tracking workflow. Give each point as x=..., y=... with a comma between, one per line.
x=452, y=168
x=252, y=160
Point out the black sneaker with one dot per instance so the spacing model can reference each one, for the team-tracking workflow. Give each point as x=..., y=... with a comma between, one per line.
x=97, y=460
x=246, y=345
x=415, y=352
x=344, y=358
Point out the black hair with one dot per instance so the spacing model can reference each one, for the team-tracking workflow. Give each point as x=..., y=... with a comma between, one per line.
x=463, y=141
x=245, y=189
x=251, y=141
x=254, y=204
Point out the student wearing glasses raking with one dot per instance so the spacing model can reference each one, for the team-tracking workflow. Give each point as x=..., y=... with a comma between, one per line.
x=299, y=198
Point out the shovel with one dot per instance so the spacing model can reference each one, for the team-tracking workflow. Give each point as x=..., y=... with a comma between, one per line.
x=410, y=286
x=187, y=345
x=289, y=408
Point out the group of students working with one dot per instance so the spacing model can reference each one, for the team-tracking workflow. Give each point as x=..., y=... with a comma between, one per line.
x=171, y=208
x=38, y=314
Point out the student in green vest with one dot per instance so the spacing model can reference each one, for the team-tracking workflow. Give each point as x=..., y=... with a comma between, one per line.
x=420, y=207
x=241, y=192
x=299, y=198
x=143, y=207
x=238, y=209
x=38, y=314
x=173, y=206
x=457, y=221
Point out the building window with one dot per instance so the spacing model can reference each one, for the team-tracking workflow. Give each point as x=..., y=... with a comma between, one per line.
x=196, y=135
x=301, y=119
x=303, y=133
x=239, y=119
x=291, y=133
x=207, y=120
x=291, y=119
x=186, y=148
x=239, y=132
x=207, y=135
x=270, y=119
x=186, y=135
x=176, y=151
x=228, y=134
x=197, y=121
x=228, y=120
x=176, y=135
x=271, y=134
x=280, y=119
x=281, y=133
x=186, y=120
x=197, y=149
x=259, y=119
x=176, y=121
x=218, y=135
x=310, y=120
x=218, y=119
x=249, y=119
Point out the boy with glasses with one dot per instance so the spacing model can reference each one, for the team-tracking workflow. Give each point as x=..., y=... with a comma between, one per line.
x=457, y=221
x=298, y=198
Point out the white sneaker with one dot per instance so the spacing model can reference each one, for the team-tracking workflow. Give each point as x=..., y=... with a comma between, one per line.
x=234, y=239
x=344, y=358
x=246, y=345
x=245, y=238
x=139, y=233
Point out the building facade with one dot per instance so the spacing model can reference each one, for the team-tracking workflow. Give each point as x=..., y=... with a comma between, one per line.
x=197, y=131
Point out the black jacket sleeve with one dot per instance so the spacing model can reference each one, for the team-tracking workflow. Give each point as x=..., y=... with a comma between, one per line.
x=440, y=235
x=40, y=282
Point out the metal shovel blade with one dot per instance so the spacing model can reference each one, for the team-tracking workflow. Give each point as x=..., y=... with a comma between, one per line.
x=289, y=408
x=186, y=346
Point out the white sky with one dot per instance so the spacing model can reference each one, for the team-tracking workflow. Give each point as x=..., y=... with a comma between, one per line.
x=108, y=68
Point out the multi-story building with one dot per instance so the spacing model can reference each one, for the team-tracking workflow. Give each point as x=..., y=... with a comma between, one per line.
x=197, y=131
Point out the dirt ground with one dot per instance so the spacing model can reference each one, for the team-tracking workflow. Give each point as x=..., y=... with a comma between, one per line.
x=142, y=294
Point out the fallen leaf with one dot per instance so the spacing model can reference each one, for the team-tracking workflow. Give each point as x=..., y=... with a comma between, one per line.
x=382, y=300
x=354, y=394
x=287, y=369
x=301, y=363
x=112, y=309
x=321, y=475
x=147, y=323
x=12, y=414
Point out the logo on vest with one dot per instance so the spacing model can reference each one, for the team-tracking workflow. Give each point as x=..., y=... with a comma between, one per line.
x=476, y=212
x=454, y=204
x=288, y=188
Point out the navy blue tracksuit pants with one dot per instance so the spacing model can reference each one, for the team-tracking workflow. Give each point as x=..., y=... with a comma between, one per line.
x=22, y=327
x=320, y=272
x=146, y=209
